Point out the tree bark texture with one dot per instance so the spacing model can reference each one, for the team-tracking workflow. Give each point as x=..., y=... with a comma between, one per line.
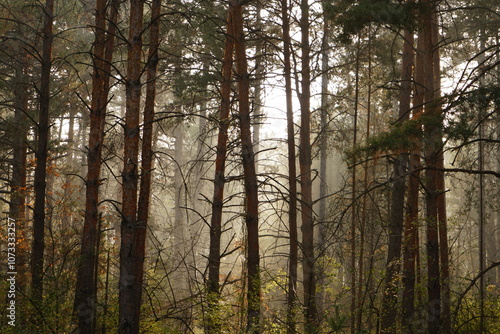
x=432, y=150
x=354, y=214
x=309, y=278
x=86, y=286
x=250, y=178
x=396, y=219
x=17, y=203
x=411, y=246
x=41, y=155
x=213, y=324
x=258, y=111
x=441, y=188
x=147, y=149
x=323, y=148
x=129, y=307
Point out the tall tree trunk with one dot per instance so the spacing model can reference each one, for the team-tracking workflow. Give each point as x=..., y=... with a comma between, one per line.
x=86, y=284
x=147, y=150
x=41, y=155
x=183, y=247
x=354, y=213
x=258, y=109
x=292, y=174
x=305, y=160
x=17, y=204
x=69, y=179
x=323, y=148
x=213, y=322
x=251, y=194
x=441, y=200
x=396, y=219
x=129, y=307
x=411, y=219
x=364, y=213
x=432, y=148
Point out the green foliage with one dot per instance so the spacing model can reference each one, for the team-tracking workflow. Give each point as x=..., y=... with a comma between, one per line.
x=337, y=322
x=400, y=137
x=353, y=17
x=461, y=127
x=465, y=113
x=468, y=319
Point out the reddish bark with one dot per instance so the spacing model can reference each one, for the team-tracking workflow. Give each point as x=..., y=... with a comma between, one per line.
x=220, y=163
x=250, y=178
x=41, y=155
x=129, y=307
x=396, y=220
x=147, y=149
x=411, y=221
x=86, y=286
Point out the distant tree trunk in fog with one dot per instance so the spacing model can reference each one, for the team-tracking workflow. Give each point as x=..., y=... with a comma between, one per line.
x=129, y=307
x=69, y=180
x=396, y=219
x=86, y=285
x=213, y=323
x=292, y=174
x=249, y=174
x=432, y=149
x=41, y=155
x=305, y=160
x=182, y=244
x=180, y=230
x=147, y=149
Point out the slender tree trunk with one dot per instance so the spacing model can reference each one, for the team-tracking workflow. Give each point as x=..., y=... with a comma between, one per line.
x=17, y=204
x=86, y=284
x=441, y=200
x=364, y=214
x=354, y=208
x=433, y=146
x=69, y=180
x=129, y=307
x=147, y=151
x=396, y=219
x=213, y=322
x=181, y=233
x=411, y=219
x=41, y=155
x=305, y=160
x=292, y=174
x=258, y=109
x=251, y=193
x=323, y=148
